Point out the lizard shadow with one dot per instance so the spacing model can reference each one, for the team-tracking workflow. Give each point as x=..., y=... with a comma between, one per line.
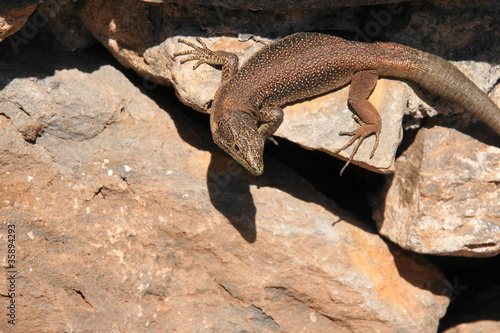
x=229, y=191
x=18, y=62
x=228, y=183
x=229, y=186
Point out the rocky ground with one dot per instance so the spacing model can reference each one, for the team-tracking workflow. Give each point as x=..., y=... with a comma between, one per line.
x=123, y=215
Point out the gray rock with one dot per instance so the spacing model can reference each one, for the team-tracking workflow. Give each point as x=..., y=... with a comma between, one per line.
x=444, y=201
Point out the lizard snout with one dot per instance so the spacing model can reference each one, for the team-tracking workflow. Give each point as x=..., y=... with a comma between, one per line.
x=238, y=136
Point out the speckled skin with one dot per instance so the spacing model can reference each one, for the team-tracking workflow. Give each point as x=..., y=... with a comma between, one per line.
x=247, y=106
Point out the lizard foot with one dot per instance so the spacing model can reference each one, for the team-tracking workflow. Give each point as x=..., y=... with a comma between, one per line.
x=359, y=134
x=273, y=140
x=228, y=61
x=201, y=53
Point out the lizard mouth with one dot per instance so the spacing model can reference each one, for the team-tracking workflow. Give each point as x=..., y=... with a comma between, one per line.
x=254, y=166
x=256, y=171
x=252, y=161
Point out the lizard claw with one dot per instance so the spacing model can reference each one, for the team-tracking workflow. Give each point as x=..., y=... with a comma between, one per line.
x=204, y=55
x=199, y=52
x=359, y=134
x=273, y=140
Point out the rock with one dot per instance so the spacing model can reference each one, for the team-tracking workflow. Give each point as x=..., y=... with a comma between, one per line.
x=480, y=326
x=275, y=5
x=123, y=27
x=125, y=222
x=129, y=37
x=56, y=20
x=329, y=115
x=31, y=132
x=139, y=34
x=448, y=28
x=445, y=201
x=14, y=14
x=63, y=25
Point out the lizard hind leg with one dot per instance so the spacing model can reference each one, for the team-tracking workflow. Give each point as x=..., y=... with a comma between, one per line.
x=359, y=135
x=366, y=116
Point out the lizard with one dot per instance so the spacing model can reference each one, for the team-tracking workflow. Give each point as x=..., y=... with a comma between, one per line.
x=247, y=107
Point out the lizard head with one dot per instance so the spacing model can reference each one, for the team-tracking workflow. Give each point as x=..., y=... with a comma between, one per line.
x=237, y=134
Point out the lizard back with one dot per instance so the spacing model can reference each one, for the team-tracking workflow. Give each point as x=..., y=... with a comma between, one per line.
x=305, y=65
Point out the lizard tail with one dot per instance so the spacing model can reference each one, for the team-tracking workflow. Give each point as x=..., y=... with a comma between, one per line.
x=447, y=81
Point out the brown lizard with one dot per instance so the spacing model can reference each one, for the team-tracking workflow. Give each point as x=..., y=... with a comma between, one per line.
x=247, y=107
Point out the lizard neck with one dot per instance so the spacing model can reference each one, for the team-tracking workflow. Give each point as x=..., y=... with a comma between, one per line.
x=231, y=99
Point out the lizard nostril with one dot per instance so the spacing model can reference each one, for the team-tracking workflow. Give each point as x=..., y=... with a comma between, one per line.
x=236, y=148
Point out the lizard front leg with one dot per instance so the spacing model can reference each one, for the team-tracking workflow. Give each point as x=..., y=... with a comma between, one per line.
x=228, y=61
x=269, y=119
x=362, y=85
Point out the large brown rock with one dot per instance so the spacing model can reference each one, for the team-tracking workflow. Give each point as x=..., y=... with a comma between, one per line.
x=444, y=198
x=125, y=222
x=479, y=326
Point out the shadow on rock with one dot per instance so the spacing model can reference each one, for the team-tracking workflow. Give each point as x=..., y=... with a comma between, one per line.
x=20, y=64
x=229, y=191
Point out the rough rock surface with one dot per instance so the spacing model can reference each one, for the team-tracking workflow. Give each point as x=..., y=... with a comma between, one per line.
x=125, y=222
x=60, y=22
x=13, y=16
x=453, y=29
x=275, y=5
x=480, y=326
x=455, y=211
